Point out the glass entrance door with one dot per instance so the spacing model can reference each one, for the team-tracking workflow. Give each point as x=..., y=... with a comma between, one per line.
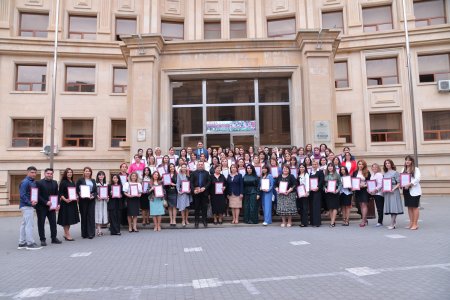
x=243, y=141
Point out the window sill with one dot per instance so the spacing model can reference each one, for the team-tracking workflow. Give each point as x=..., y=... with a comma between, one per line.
x=29, y=92
x=24, y=148
x=79, y=93
x=116, y=149
x=344, y=89
x=77, y=149
x=369, y=87
x=118, y=94
x=427, y=83
x=386, y=143
x=436, y=142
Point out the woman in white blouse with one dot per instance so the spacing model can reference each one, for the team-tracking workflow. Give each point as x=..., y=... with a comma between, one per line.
x=378, y=192
x=412, y=192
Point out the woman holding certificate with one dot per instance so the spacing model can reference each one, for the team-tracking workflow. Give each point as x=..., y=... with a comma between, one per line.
x=332, y=189
x=156, y=200
x=391, y=183
x=345, y=198
x=68, y=212
x=87, y=191
x=303, y=193
x=316, y=181
x=266, y=196
x=235, y=189
x=132, y=190
x=251, y=195
x=286, y=205
x=184, y=198
x=359, y=184
x=377, y=192
x=143, y=201
x=101, y=202
x=217, y=194
x=114, y=204
x=123, y=175
x=170, y=185
x=410, y=181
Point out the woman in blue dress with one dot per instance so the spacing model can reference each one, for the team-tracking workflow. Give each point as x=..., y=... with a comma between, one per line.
x=156, y=203
x=267, y=195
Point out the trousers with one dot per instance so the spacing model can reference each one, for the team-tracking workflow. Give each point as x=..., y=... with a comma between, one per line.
x=26, y=227
x=43, y=213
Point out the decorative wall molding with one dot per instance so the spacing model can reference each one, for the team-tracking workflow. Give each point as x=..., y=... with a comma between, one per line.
x=126, y=5
x=34, y=2
x=82, y=4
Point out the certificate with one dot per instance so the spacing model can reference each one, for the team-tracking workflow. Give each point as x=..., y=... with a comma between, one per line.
x=387, y=184
x=356, y=183
x=185, y=186
x=218, y=188
x=346, y=182
x=34, y=194
x=123, y=179
x=242, y=172
x=134, y=191
x=159, y=193
x=159, y=161
x=192, y=166
x=258, y=171
x=301, y=191
x=283, y=187
x=85, y=191
x=331, y=187
x=371, y=186
x=313, y=184
x=145, y=186
x=225, y=173
x=103, y=192
x=115, y=191
x=265, y=184
x=172, y=160
x=294, y=172
x=166, y=179
x=72, y=193
x=405, y=179
x=161, y=171
x=274, y=172
x=54, y=202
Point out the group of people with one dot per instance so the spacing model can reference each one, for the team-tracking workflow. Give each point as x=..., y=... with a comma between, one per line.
x=304, y=180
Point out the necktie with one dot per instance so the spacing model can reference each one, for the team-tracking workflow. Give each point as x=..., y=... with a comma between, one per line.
x=200, y=179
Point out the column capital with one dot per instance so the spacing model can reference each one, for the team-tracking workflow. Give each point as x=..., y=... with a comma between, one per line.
x=319, y=42
x=145, y=47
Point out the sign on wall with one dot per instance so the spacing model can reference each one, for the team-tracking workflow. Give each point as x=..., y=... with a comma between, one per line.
x=230, y=126
x=322, y=131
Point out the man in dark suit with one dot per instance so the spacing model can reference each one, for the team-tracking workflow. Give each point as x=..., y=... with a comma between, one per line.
x=200, y=182
x=47, y=187
x=201, y=150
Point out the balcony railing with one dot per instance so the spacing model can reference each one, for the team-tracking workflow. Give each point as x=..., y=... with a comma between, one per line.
x=436, y=135
x=430, y=21
x=386, y=136
x=31, y=86
x=27, y=142
x=80, y=87
x=78, y=142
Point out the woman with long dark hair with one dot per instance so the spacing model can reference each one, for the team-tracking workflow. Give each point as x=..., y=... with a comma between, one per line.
x=392, y=201
x=114, y=205
x=412, y=192
x=68, y=213
x=251, y=195
x=87, y=204
x=101, y=204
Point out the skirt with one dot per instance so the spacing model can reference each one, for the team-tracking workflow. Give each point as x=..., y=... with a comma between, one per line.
x=101, y=211
x=144, y=204
x=156, y=207
x=183, y=201
x=218, y=204
x=345, y=200
x=362, y=196
x=287, y=205
x=235, y=201
x=172, y=199
x=68, y=213
x=411, y=201
x=332, y=200
x=393, y=203
x=133, y=206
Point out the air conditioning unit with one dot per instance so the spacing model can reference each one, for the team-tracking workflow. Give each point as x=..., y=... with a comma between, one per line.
x=46, y=149
x=443, y=86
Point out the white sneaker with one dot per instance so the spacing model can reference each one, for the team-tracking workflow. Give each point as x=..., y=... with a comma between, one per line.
x=282, y=225
x=265, y=224
x=378, y=225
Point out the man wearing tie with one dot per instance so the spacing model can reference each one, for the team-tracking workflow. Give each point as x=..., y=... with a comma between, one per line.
x=200, y=182
x=201, y=150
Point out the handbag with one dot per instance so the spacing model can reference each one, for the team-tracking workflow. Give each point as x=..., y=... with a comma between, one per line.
x=165, y=204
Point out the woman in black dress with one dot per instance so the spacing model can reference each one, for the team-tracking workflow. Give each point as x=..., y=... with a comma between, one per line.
x=171, y=194
x=361, y=195
x=114, y=205
x=132, y=201
x=315, y=194
x=218, y=202
x=68, y=212
x=251, y=195
x=87, y=205
x=144, y=203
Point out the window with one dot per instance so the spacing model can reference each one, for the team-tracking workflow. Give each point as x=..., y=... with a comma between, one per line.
x=333, y=19
x=186, y=92
x=273, y=90
x=80, y=79
x=213, y=30
x=434, y=67
x=436, y=125
x=118, y=132
x=386, y=127
x=82, y=27
x=377, y=18
x=172, y=30
x=382, y=71
x=33, y=25
x=186, y=120
x=78, y=133
x=344, y=126
x=120, y=80
x=238, y=29
x=340, y=74
x=281, y=28
x=125, y=26
x=230, y=91
x=31, y=78
x=28, y=133
x=274, y=123
x=429, y=12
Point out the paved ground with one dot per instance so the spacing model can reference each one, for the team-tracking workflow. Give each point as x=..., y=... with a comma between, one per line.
x=238, y=263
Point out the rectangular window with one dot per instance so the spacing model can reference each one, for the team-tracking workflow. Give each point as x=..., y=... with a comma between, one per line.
x=382, y=71
x=31, y=78
x=78, y=133
x=275, y=127
x=344, y=126
x=281, y=28
x=186, y=120
x=82, y=27
x=273, y=90
x=429, y=12
x=80, y=79
x=377, y=18
x=234, y=113
x=172, y=30
x=120, y=80
x=341, y=75
x=186, y=92
x=434, y=67
x=212, y=30
x=28, y=133
x=33, y=25
x=386, y=127
x=230, y=91
x=333, y=19
x=436, y=125
x=125, y=26
x=118, y=132
x=238, y=29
